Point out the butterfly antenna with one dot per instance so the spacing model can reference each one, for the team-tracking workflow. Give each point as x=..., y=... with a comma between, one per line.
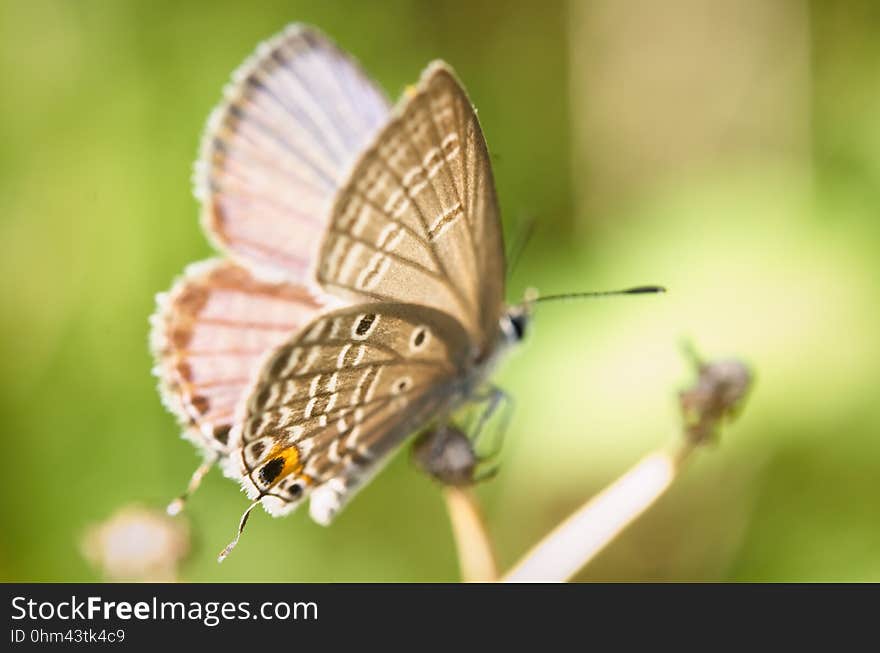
x=244, y=519
x=637, y=290
x=526, y=231
x=195, y=481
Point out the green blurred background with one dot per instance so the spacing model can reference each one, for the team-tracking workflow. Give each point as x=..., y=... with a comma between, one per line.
x=729, y=150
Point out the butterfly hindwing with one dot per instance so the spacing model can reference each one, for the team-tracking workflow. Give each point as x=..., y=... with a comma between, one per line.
x=330, y=404
x=274, y=153
x=418, y=219
x=209, y=334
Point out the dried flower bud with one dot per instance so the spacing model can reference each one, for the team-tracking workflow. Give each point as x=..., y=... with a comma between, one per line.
x=447, y=455
x=718, y=393
x=137, y=544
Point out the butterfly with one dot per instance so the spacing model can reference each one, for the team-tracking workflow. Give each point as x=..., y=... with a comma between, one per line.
x=360, y=298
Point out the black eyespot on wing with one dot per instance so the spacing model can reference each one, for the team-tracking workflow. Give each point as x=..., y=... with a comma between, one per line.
x=295, y=490
x=270, y=471
x=365, y=323
x=419, y=338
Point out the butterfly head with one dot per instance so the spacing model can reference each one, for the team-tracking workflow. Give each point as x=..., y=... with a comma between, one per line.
x=516, y=321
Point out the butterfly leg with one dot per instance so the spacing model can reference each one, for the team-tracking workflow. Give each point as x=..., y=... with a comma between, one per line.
x=177, y=505
x=495, y=399
x=449, y=453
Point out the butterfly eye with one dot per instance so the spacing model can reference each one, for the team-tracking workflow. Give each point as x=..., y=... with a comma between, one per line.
x=518, y=322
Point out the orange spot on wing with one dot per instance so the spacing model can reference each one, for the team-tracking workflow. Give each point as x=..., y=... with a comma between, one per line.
x=291, y=465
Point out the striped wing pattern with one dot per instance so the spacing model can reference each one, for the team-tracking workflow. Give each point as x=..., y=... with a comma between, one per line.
x=418, y=219
x=276, y=150
x=338, y=397
x=209, y=336
x=320, y=194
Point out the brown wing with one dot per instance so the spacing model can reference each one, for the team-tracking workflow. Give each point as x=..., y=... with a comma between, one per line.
x=274, y=153
x=418, y=219
x=209, y=334
x=334, y=401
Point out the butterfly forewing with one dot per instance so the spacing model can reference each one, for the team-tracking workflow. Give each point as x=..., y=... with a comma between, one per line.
x=274, y=153
x=336, y=399
x=210, y=333
x=418, y=220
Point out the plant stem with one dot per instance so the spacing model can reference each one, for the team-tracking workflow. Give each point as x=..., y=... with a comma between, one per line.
x=476, y=558
x=577, y=540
